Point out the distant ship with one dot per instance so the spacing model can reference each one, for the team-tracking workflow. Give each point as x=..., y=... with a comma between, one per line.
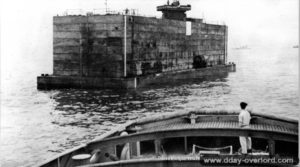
x=242, y=47
x=296, y=46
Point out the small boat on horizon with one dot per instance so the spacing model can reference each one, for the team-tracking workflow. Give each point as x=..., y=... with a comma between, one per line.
x=188, y=139
x=242, y=47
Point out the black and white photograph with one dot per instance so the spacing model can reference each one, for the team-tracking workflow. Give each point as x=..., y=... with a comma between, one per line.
x=160, y=83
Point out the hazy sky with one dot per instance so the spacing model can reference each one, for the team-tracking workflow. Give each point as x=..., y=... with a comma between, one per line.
x=26, y=25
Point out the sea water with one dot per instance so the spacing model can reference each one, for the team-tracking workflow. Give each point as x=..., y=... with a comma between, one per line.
x=36, y=125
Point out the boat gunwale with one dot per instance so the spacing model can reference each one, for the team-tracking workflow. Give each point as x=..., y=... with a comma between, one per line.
x=141, y=160
x=212, y=112
x=101, y=137
x=171, y=159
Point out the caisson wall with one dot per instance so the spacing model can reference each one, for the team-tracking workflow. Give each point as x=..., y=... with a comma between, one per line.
x=94, y=45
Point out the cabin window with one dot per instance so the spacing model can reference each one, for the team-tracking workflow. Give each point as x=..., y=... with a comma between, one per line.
x=173, y=145
x=259, y=144
x=147, y=147
x=119, y=149
x=213, y=142
x=188, y=28
x=285, y=148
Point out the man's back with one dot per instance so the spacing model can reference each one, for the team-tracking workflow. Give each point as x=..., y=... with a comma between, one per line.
x=244, y=118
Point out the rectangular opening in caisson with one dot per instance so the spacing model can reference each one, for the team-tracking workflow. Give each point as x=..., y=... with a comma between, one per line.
x=188, y=28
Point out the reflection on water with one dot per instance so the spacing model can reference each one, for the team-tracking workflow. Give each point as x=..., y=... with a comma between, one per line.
x=36, y=125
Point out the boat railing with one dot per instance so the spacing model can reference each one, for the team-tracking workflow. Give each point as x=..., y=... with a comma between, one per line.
x=212, y=149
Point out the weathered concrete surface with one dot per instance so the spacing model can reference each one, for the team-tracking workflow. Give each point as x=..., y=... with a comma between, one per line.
x=59, y=82
x=92, y=46
x=161, y=45
x=88, y=46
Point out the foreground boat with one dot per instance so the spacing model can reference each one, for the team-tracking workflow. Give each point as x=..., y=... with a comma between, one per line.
x=197, y=138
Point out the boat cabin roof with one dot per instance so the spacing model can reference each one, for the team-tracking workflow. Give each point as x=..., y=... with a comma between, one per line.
x=190, y=124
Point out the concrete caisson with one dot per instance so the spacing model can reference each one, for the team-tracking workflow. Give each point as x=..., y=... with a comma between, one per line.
x=120, y=47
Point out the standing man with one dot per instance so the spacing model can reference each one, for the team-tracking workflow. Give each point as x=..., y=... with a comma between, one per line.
x=244, y=121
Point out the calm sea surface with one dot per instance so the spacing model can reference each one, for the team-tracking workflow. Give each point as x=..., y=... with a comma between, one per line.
x=36, y=125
